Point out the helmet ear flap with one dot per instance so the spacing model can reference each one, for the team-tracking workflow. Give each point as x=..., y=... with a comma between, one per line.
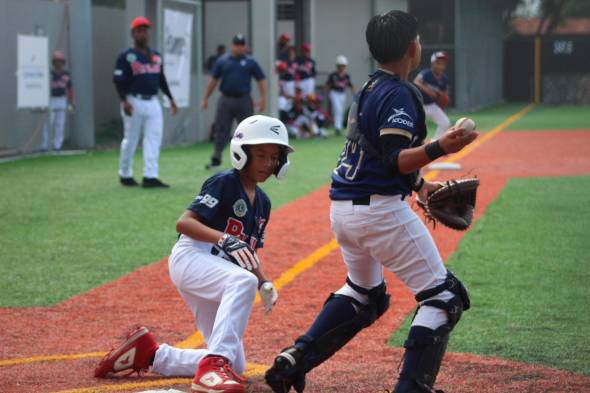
x=239, y=156
x=283, y=165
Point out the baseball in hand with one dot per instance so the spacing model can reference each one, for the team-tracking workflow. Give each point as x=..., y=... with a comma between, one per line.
x=466, y=123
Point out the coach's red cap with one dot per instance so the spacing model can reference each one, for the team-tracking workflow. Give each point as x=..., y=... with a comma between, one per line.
x=306, y=47
x=140, y=21
x=284, y=37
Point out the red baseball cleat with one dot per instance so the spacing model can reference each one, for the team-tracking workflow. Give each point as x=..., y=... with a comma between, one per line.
x=134, y=354
x=214, y=375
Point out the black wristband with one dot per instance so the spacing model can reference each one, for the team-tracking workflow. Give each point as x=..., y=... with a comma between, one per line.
x=261, y=283
x=418, y=185
x=434, y=151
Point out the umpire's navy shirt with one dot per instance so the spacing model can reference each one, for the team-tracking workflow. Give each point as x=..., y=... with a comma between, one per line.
x=387, y=106
x=139, y=73
x=235, y=73
x=427, y=77
x=224, y=205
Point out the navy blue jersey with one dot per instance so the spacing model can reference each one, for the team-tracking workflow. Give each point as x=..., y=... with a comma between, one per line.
x=235, y=73
x=224, y=205
x=389, y=107
x=337, y=82
x=291, y=71
x=427, y=77
x=305, y=68
x=283, y=54
x=138, y=73
x=60, y=83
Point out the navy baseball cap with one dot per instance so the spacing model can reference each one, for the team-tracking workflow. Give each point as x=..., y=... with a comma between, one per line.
x=239, y=39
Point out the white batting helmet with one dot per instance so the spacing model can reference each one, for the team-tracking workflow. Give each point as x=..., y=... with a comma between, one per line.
x=341, y=60
x=259, y=130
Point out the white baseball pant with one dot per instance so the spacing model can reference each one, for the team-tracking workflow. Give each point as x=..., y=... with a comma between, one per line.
x=338, y=101
x=146, y=118
x=438, y=116
x=220, y=295
x=288, y=88
x=307, y=86
x=56, y=119
x=387, y=233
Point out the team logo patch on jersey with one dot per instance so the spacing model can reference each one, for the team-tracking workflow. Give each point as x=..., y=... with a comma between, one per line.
x=131, y=57
x=243, y=63
x=402, y=117
x=240, y=208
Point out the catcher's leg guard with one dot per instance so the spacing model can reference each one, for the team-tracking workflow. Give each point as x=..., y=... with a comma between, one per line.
x=344, y=314
x=426, y=347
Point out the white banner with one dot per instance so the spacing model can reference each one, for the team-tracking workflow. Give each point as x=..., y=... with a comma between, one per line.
x=178, y=27
x=32, y=71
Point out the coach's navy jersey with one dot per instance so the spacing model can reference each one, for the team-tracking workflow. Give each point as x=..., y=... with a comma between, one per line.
x=305, y=68
x=224, y=205
x=427, y=77
x=137, y=72
x=337, y=82
x=235, y=73
x=60, y=83
x=387, y=105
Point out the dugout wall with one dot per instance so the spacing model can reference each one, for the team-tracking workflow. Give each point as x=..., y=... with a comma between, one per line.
x=563, y=64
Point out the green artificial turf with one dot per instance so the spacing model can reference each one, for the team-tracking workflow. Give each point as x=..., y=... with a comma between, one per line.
x=527, y=266
x=554, y=118
x=67, y=225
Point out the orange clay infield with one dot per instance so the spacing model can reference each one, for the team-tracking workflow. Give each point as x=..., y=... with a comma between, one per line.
x=92, y=322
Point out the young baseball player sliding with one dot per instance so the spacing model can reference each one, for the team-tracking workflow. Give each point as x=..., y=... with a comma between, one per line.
x=375, y=226
x=215, y=267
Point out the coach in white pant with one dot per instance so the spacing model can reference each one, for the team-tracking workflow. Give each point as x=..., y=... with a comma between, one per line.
x=138, y=75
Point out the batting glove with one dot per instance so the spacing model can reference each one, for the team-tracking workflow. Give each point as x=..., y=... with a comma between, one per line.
x=239, y=252
x=268, y=295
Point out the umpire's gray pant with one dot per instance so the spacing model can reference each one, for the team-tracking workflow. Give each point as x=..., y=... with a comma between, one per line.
x=228, y=109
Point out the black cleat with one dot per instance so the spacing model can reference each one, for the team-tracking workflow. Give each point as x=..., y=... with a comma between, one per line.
x=128, y=181
x=286, y=373
x=214, y=165
x=153, y=182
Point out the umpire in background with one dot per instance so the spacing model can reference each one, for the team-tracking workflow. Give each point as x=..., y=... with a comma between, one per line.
x=235, y=71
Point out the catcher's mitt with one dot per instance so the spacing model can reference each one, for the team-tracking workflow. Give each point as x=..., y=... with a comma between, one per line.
x=452, y=205
x=442, y=100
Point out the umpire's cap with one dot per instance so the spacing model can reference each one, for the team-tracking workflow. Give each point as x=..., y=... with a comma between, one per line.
x=239, y=39
x=140, y=21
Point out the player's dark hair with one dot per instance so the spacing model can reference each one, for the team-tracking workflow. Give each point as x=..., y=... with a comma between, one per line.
x=389, y=35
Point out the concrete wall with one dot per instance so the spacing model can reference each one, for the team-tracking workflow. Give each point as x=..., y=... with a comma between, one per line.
x=479, y=54
x=328, y=24
x=109, y=36
x=17, y=128
x=222, y=20
x=334, y=34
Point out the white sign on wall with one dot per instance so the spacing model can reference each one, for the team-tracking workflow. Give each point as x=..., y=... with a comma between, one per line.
x=178, y=27
x=32, y=71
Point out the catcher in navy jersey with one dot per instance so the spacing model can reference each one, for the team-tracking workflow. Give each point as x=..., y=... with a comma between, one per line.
x=375, y=226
